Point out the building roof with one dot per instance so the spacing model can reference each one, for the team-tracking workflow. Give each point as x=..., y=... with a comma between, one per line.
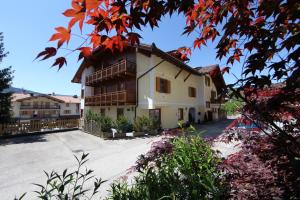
x=68, y=99
x=19, y=96
x=207, y=69
x=215, y=74
x=144, y=48
x=62, y=99
x=168, y=56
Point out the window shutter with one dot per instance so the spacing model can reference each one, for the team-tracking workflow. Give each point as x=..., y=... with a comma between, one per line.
x=168, y=86
x=157, y=84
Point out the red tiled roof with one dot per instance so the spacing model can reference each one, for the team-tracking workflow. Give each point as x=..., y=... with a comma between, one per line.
x=67, y=99
x=19, y=96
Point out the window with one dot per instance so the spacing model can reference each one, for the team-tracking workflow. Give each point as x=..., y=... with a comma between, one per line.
x=47, y=105
x=82, y=93
x=67, y=111
x=207, y=104
x=67, y=104
x=213, y=95
x=192, y=92
x=163, y=85
x=180, y=113
x=102, y=111
x=120, y=112
x=207, y=81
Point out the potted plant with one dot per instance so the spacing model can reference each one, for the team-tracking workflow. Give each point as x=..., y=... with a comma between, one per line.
x=123, y=126
x=106, y=125
x=141, y=126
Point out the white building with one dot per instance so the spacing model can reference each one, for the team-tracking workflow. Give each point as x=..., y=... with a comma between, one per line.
x=147, y=81
x=39, y=106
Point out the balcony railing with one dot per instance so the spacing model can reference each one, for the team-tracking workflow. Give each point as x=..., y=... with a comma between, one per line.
x=112, y=98
x=124, y=67
x=216, y=101
x=31, y=107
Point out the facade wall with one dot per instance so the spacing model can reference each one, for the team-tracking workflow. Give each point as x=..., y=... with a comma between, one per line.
x=16, y=109
x=111, y=111
x=30, y=111
x=72, y=107
x=168, y=103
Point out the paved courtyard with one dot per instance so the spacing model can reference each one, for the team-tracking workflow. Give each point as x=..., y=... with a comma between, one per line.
x=22, y=160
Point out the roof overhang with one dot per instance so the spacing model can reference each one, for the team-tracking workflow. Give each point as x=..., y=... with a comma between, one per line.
x=146, y=49
x=38, y=96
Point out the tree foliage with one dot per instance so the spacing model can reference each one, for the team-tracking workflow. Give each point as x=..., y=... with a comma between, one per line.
x=233, y=106
x=264, y=32
x=5, y=82
x=262, y=169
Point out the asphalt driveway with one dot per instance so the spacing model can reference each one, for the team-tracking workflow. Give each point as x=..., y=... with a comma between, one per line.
x=22, y=160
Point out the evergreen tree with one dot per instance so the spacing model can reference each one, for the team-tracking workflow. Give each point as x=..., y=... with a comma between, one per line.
x=5, y=82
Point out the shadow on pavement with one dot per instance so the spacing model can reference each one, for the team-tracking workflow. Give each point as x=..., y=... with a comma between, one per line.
x=23, y=139
x=213, y=129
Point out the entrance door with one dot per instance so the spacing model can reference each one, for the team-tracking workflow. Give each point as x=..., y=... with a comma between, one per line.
x=155, y=114
x=210, y=115
x=192, y=115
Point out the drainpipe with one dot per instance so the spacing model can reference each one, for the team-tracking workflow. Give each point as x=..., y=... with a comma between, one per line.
x=137, y=84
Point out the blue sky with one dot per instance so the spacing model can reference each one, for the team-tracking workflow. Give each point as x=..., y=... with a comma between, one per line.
x=28, y=25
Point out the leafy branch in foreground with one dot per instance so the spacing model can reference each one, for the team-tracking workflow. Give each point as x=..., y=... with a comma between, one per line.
x=69, y=185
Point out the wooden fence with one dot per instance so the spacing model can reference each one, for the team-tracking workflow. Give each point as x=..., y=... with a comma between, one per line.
x=20, y=128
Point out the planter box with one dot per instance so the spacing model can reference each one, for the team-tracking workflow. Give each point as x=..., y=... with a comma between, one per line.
x=119, y=135
x=138, y=134
x=106, y=135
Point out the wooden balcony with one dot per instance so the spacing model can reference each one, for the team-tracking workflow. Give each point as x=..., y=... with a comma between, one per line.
x=217, y=101
x=110, y=99
x=39, y=107
x=123, y=68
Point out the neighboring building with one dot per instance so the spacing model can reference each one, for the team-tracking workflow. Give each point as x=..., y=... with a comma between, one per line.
x=148, y=81
x=40, y=106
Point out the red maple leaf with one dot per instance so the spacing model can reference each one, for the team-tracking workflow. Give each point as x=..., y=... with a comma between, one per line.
x=92, y=4
x=77, y=14
x=60, y=62
x=225, y=70
x=63, y=35
x=84, y=52
x=47, y=53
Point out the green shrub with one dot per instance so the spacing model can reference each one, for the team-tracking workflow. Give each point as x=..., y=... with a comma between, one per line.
x=123, y=125
x=142, y=124
x=90, y=115
x=189, y=171
x=154, y=124
x=106, y=124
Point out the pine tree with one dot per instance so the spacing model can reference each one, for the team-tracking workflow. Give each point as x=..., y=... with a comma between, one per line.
x=5, y=82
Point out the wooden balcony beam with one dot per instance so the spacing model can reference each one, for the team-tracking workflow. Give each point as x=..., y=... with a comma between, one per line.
x=178, y=73
x=186, y=78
